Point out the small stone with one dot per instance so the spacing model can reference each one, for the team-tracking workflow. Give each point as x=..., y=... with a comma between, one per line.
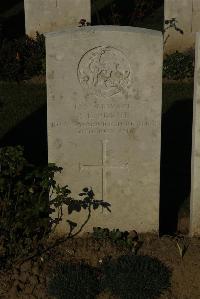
x=26, y=266
x=42, y=280
x=35, y=269
x=29, y=289
x=15, y=277
x=12, y=294
x=33, y=280
x=42, y=259
x=16, y=282
x=16, y=271
x=18, y=285
x=23, y=277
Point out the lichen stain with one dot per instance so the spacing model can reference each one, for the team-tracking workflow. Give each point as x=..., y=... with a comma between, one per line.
x=197, y=154
x=59, y=57
x=58, y=143
x=51, y=75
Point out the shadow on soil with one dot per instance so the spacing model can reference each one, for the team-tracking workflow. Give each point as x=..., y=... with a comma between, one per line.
x=175, y=163
x=31, y=133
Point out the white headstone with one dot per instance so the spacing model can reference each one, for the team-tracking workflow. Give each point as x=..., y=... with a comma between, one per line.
x=187, y=15
x=51, y=15
x=104, y=87
x=195, y=172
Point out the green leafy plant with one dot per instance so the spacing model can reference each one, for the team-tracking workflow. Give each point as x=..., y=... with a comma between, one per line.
x=83, y=23
x=22, y=58
x=74, y=281
x=28, y=197
x=117, y=237
x=135, y=277
x=178, y=66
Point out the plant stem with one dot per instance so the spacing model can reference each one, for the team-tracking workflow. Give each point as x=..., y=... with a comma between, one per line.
x=59, y=241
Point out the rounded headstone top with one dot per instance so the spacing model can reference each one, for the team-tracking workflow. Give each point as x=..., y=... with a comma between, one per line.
x=101, y=28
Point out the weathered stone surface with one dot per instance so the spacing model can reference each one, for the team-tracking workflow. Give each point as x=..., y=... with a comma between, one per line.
x=187, y=14
x=104, y=111
x=51, y=15
x=195, y=174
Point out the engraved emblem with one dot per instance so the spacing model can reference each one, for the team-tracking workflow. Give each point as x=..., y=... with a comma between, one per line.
x=104, y=71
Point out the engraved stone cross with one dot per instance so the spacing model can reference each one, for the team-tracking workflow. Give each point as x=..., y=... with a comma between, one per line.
x=103, y=166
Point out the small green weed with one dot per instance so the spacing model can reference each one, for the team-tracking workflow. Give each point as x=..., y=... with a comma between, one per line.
x=117, y=237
